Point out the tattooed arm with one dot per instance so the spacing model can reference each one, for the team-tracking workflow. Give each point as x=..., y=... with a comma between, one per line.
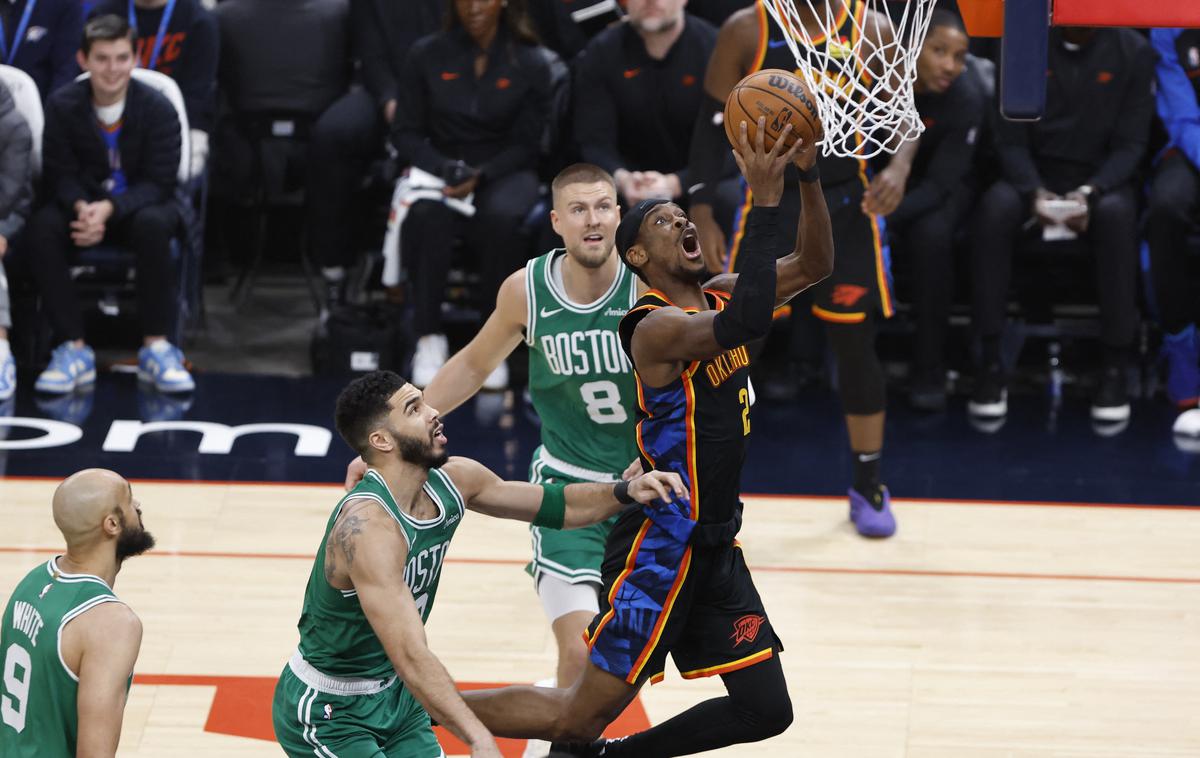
x=369, y=551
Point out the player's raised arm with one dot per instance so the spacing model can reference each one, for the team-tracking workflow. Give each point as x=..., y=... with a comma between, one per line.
x=373, y=549
x=555, y=505
x=110, y=636
x=463, y=375
x=671, y=335
x=812, y=260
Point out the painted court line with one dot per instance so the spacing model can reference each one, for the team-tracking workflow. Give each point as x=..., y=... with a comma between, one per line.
x=161, y=553
x=762, y=496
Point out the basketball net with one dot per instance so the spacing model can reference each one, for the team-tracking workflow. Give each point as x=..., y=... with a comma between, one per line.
x=864, y=89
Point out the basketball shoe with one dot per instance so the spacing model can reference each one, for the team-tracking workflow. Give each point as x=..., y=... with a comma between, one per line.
x=1111, y=401
x=872, y=519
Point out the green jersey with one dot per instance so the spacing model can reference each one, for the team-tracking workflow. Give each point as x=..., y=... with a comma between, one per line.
x=335, y=636
x=38, y=716
x=580, y=380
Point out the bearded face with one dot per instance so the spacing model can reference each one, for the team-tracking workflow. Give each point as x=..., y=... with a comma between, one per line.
x=134, y=539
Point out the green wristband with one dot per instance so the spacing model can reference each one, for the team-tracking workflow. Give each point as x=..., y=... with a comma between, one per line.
x=553, y=512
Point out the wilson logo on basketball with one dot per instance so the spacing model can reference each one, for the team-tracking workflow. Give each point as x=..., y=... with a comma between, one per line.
x=848, y=294
x=746, y=629
x=795, y=90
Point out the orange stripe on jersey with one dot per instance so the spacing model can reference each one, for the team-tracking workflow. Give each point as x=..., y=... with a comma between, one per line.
x=657, y=677
x=630, y=560
x=782, y=311
x=726, y=668
x=885, y=293
x=764, y=36
x=680, y=576
x=641, y=396
x=838, y=318
x=736, y=245
x=690, y=422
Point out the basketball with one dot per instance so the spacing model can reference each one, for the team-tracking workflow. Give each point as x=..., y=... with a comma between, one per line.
x=779, y=96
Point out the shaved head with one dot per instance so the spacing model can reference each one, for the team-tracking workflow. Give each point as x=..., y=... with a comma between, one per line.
x=95, y=505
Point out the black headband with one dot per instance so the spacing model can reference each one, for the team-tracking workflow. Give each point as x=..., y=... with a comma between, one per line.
x=631, y=224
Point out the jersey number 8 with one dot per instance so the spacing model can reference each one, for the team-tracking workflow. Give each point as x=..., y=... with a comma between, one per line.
x=603, y=401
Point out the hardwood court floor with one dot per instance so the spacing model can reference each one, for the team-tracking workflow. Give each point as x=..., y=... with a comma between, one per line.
x=979, y=630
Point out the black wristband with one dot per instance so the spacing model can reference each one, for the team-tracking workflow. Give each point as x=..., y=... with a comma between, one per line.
x=621, y=492
x=811, y=175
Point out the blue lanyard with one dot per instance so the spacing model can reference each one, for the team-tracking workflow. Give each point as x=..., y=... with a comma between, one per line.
x=7, y=55
x=162, y=29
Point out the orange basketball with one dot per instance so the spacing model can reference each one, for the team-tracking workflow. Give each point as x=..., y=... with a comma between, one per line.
x=780, y=96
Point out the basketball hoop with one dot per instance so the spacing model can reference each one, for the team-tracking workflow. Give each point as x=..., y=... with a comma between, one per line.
x=864, y=90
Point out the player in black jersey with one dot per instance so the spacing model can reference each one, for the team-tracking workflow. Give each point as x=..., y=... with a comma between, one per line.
x=674, y=578
x=859, y=290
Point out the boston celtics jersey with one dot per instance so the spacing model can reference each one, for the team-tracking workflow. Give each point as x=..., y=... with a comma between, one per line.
x=38, y=716
x=580, y=380
x=335, y=636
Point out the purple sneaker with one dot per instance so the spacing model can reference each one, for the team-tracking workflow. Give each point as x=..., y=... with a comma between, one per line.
x=868, y=521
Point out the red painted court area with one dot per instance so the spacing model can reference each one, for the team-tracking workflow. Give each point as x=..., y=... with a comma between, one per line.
x=241, y=707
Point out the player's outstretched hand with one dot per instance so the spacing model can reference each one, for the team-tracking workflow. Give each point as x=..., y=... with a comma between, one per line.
x=657, y=485
x=764, y=168
x=355, y=473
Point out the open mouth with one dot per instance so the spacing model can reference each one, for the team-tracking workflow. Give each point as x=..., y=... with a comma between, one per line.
x=690, y=242
x=594, y=237
x=438, y=434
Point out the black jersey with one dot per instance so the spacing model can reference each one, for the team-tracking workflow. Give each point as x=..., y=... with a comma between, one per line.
x=697, y=425
x=773, y=52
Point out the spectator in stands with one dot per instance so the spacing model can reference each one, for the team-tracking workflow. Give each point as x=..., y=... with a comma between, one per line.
x=1175, y=208
x=40, y=37
x=110, y=159
x=473, y=105
x=639, y=86
x=950, y=99
x=16, y=194
x=178, y=38
x=1085, y=150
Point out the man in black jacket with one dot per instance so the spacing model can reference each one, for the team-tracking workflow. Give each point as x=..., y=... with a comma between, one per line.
x=111, y=156
x=1080, y=160
x=640, y=85
x=180, y=39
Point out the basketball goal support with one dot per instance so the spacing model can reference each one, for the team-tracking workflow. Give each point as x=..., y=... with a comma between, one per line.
x=1024, y=26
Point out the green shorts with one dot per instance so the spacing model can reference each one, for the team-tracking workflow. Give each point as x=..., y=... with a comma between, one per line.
x=386, y=724
x=572, y=555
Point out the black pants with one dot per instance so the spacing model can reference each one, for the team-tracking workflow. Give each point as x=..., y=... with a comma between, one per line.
x=146, y=232
x=1174, y=196
x=1111, y=236
x=928, y=241
x=492, y=237
x=344, y=140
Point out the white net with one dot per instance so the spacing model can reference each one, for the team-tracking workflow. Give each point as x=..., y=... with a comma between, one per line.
x=859, y=57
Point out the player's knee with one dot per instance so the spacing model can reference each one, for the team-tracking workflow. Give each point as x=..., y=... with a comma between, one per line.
x=777, y=716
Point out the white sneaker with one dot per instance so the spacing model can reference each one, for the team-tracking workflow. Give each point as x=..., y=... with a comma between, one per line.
x=432, y=351
x=498, y=379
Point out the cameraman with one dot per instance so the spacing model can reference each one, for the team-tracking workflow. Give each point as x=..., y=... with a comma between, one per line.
x=473, y=104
